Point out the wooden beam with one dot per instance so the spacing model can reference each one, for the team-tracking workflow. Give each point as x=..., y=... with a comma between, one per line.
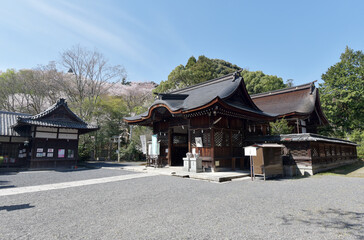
x=170, y=141
x=213, y=148
x=189, y=135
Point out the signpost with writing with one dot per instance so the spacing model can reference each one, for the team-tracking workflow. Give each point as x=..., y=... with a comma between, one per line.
x=251, y=151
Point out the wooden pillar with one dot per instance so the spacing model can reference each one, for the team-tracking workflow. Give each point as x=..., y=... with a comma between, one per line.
x=231, y=150
x=264, y=130
x=213, y=148
x=189, y=134
x=170, y=141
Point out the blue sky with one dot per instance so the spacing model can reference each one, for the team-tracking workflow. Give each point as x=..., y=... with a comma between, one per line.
x=296, y=40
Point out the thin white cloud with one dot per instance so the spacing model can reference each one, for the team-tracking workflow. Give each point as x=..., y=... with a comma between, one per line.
x=124, y=43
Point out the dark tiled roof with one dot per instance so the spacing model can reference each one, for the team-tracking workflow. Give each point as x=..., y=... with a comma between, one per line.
x=300, y=99
x=8, y=119
x=300, y=137
x=41, y=120
x=10, y=122
x=60, y=103
x=203, y=93
x=51, y=123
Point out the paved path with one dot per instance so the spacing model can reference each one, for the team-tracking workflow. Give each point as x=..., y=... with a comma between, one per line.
x=46, y=187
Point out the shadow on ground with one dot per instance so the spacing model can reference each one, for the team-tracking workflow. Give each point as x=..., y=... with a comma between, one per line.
x=16, y=207
x=349, y=222
x=7, y=171
x=5, y=184
x=99, y=164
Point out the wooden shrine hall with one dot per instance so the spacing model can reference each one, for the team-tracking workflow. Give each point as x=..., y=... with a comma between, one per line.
x=219, y=111
x=220, y=115
x=46, y=140
x=299, y=105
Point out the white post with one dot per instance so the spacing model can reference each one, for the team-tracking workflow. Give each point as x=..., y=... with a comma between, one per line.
x=119, y=148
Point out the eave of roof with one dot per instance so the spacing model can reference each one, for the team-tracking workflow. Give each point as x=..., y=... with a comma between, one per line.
x=203, y=95
x=284, y=90
x=41, y=120
x=300, y=137
x=7, y=119
x=294, y=101
x=51, y=123
x=60, y=103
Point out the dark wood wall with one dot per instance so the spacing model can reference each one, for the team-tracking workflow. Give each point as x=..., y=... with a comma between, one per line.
x=330, y=155
x=52, y=159
x=222, y=139
x=319, y=156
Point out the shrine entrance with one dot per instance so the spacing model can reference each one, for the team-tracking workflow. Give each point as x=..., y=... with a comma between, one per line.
x=179, y=146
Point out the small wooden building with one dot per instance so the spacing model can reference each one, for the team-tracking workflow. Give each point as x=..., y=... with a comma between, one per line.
x=46, y=140
x=268, y=160
x=309, y=153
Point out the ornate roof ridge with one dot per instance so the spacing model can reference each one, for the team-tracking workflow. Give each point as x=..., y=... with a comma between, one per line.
x=14, y=113
x=230, y=76
x=284, y=90
x=58, y=104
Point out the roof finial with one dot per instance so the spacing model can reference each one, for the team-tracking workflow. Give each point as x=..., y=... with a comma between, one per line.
x=61, y=101
x=236, y=75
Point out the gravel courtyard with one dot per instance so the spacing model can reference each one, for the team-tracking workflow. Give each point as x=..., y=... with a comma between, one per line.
x=165, y=207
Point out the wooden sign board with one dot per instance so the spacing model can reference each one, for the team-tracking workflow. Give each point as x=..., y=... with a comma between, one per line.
x=250, y=151
x=198, y=141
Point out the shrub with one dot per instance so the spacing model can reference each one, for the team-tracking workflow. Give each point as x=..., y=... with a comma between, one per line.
x=280, y=127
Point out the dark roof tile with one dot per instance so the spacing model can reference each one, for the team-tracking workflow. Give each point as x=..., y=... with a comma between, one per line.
x=203, y=93
x=8, y=119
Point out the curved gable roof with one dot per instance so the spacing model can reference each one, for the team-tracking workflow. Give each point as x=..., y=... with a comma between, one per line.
x=299, y=100
x=48, y=118
x=230, y=89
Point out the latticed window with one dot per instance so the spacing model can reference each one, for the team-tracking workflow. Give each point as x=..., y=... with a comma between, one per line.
x=315, y=151
x=322, y=150
x=206, y=138
x=227, y=138
x=204, y=134
x=332, y=151
x=327, y=151
x=237, y=139
x=222, y=138
x=218, y=136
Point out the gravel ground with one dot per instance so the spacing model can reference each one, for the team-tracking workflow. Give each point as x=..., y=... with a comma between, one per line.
x=164, y=207
x=32, y=178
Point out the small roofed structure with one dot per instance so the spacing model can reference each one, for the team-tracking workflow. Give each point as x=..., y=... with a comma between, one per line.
x=309, y=153
x=300, y=105
x=267, y=161
x=46, y=140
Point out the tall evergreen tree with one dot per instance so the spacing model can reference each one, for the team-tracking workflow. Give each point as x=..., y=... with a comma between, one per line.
x=203, y=69
x=342, y=93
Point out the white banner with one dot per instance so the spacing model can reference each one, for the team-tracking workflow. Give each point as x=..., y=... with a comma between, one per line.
x=143, y=140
